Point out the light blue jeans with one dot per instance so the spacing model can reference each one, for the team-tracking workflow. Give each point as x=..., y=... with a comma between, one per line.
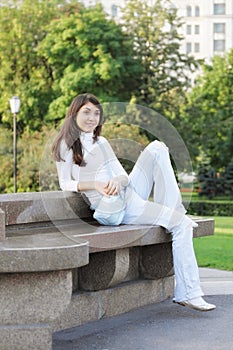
x=153, y=170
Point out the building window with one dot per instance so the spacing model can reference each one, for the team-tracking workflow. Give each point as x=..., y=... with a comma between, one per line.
x=197, y=47
x=188, y=29
x=197, y=11
x=219, y=28
x=188, y=47
x=189, y=11
x=219, y=9
x=219, y=45
x=197, y=29
x=114, y=10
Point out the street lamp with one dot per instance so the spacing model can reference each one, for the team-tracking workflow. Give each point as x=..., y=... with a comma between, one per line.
x=15, y=106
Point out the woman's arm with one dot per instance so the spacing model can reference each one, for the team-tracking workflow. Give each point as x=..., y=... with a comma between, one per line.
x=64, y=170
x=112, y=187
x=120, y=177
x=92, y=185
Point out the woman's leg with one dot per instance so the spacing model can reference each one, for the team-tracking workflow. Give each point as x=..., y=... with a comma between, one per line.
x=187, y=291
x=153, y=169
x=185, y=265
x=167, y=210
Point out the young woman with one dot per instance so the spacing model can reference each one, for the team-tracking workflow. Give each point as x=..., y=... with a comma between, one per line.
x=82, y=167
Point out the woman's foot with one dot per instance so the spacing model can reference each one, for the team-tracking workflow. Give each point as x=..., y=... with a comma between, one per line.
x=197, y=304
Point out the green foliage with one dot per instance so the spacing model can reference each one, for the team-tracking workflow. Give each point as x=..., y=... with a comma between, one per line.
x=228, y=180
x=53, y=50
x=6, y=160
x=34, y=159
x=209, y=113
x=22, y=71
x=126, y=141
x=209, y=181
x=211, y=207
x=88, y=52
x=31, y=147
x=154, y=28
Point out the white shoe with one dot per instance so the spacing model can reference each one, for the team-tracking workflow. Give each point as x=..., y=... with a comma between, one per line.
x=197, y=304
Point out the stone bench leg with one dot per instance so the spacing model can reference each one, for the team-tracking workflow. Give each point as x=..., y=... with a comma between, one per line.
x=29, y=303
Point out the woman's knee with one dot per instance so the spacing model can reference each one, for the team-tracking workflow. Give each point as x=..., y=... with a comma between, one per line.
x=183, y=234
x=157, y=147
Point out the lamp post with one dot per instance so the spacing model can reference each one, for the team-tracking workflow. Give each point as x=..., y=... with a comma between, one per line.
x=15, y=106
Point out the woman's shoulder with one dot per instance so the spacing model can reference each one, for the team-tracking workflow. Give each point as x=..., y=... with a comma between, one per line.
x=102, y=139
x=64, y=150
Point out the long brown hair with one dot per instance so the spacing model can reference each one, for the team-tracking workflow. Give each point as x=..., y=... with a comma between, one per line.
x=70, y=132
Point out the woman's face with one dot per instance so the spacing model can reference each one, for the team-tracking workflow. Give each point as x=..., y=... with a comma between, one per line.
x=88, y=117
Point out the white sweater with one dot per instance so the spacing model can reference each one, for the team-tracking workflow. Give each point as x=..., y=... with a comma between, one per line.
x=71, y=174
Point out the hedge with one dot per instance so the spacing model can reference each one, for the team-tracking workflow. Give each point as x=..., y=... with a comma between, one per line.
x=211, y=208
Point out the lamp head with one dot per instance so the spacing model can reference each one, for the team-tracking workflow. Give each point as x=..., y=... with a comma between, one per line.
x=15, y=104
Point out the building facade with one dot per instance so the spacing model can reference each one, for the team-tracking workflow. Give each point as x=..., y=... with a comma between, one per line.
x=207, y=28
x=207, y=24
x=112, y=7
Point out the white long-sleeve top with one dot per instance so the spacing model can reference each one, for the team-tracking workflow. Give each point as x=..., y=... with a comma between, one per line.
x=70, y=174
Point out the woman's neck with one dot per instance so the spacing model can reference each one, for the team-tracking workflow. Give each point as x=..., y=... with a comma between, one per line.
x=86, y=136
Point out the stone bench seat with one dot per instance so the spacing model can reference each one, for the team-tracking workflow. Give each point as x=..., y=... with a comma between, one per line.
x=102, y=238
x=115, y=237
x=48, y=252
x=67, y=245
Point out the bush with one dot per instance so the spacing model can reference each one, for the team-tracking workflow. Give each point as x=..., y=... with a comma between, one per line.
x=211, y=208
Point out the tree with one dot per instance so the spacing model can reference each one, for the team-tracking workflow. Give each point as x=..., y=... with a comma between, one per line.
x=208, y=181
x=22, y=71
x=88, y=52
x=154, y=26
x=210, y=110
x=208, y=113
x=228, y=179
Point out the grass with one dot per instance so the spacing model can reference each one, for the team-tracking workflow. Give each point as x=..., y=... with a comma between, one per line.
x=217, y=251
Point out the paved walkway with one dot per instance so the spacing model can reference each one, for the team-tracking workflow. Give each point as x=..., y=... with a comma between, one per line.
x=162, y=326
x=216, y=282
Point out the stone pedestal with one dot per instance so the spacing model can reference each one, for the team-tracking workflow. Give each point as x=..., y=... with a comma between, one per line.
x=25, y=337
x=29, y=303
x=156, y=261
x=109, y=268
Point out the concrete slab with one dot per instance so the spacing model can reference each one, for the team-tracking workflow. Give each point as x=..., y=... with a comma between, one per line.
x=216, y=282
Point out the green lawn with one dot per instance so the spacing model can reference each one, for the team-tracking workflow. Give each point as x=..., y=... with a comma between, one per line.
x=217, y=251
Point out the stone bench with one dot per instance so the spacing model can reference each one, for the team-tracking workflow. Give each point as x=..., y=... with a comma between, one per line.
x=59, y=269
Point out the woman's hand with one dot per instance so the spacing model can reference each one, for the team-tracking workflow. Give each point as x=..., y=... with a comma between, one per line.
x=101, y=187
x=113, y=187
